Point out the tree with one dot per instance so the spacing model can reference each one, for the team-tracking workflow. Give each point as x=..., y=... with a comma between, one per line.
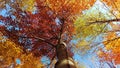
x=110, y=52
x=52, y=20
x=111, y=46
x=46, y=27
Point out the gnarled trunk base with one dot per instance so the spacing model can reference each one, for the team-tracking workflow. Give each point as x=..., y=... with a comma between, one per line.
x=66, y=63
x=64, y=60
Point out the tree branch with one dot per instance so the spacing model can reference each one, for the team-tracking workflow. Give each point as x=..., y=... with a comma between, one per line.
x=12, y=35
x=61, y=30
x=108, y=41
x=104, y=21
x=41, y=39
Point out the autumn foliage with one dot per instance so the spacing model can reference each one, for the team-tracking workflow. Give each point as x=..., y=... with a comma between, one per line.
x=10, y=53
x=46, y=22
x=34, y=28
x=112, y=48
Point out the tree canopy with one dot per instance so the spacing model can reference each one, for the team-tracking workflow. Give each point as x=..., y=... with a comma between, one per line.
x=31, y=29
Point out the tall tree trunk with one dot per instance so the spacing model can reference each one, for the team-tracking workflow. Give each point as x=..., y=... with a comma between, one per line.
x=64, y=60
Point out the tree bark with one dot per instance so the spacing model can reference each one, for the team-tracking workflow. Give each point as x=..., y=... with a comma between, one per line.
x=64, y=60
